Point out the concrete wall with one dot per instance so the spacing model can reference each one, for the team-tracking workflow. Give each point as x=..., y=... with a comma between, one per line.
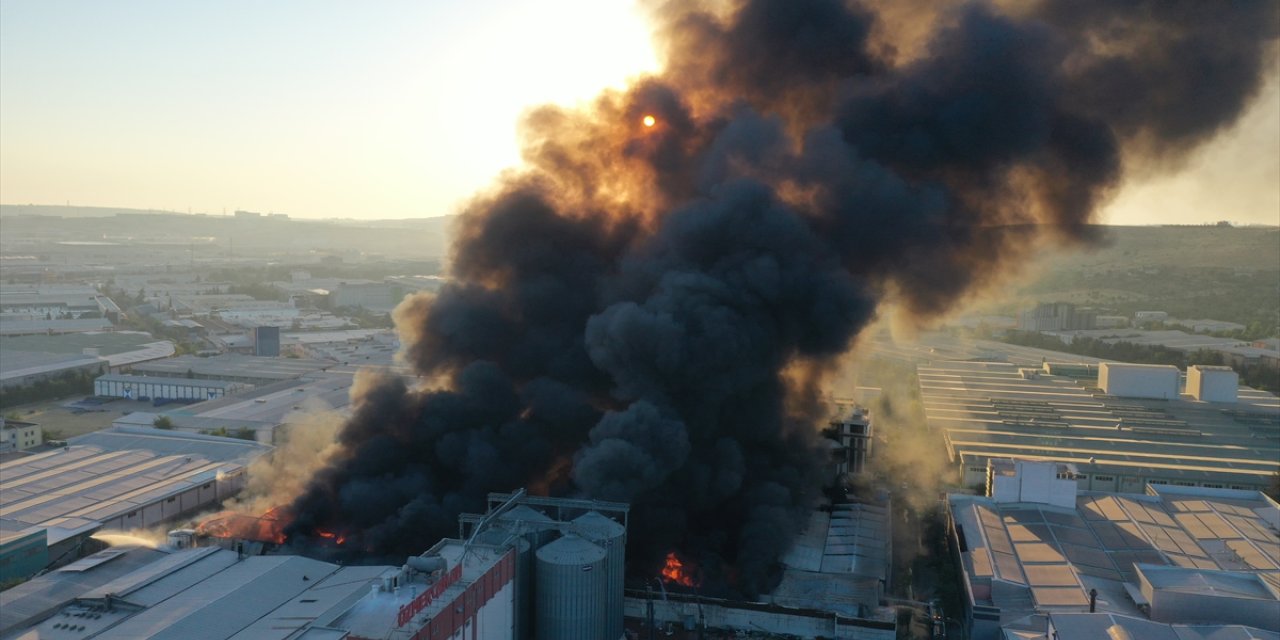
x=23, y=555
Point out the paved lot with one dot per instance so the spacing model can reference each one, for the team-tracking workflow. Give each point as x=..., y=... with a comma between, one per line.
x=62, y=422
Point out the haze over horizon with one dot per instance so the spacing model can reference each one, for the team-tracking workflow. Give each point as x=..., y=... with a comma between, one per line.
x=396, y=110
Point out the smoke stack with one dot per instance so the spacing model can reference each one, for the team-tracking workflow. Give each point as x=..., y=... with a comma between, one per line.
x=647, y=312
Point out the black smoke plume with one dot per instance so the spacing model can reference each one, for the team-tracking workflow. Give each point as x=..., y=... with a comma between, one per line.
x=646, y=314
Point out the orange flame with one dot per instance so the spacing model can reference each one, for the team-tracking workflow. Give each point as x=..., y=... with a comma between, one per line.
x=337, y=538
x=268, y=527
x=675, y=571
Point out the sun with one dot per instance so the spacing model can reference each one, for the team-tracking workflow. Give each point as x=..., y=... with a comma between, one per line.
x=649, y=121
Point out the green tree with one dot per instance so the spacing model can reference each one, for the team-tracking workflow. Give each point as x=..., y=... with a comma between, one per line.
x=162, y=422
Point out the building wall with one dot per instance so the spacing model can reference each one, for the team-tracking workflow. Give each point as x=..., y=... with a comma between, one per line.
x=973, y=473
x=166, y=390
x=23, y=556
x=20, y=436
x=485, y=609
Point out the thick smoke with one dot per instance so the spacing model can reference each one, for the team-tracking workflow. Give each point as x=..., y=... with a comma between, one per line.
x=647, y=314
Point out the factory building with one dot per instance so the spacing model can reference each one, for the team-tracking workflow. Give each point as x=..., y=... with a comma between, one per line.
x=115, y=385
x=118, y=479
x=264, y=409
x=1058, y=316
x=1038, y=556
x=527, y=568
x=1117, y=441
x=834, y=581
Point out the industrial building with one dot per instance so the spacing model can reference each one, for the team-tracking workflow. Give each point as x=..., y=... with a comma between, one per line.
x=264, y=409
x=527, y=568
x=1037, y=549
x=1058, y=316
x=25, y=360
x=1116, y=442
x=119, y=479
x=115, y=385
x=25, y=368
x=232, y=367
x=138, y=593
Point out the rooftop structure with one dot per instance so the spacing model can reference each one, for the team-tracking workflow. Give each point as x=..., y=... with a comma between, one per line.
x=1121, y=554
x=989, y=410
x=118, y=348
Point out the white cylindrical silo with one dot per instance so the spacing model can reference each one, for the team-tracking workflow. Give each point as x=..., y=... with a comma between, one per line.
x=612, y=537
x=572, y=590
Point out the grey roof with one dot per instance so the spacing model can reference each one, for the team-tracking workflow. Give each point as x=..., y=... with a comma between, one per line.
x=233, y=366
x=989, y=410
x=10, y=326
x=1093, y=626
x=163, y=442
x=103, y=475
x=1025, y=557
x=1196, y=580
x=22, y=605
x=840, y=560
x=275, y=402
x=210, y=593
x=19, y=364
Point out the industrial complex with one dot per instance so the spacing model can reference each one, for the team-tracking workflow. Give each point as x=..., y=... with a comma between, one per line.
x=1120, y=426
x=1043, y=559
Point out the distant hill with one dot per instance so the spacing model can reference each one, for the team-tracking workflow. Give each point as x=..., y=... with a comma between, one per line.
x=1220, y=273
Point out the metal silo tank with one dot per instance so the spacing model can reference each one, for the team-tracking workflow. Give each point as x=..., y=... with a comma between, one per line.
x=612, y=537
x=572, y=590
x=534, y=529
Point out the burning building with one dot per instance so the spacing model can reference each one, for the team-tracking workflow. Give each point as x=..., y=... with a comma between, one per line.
x=527, y=568
x=647, y=312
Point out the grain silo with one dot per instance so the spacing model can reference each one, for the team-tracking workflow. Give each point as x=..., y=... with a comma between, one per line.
x=612, y=537
x=533, y=529
x=572, y=590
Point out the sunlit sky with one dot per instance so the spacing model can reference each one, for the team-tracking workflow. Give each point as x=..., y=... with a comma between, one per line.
x=377, y=110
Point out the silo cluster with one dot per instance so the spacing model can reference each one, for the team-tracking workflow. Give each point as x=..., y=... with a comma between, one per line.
x=569, y=570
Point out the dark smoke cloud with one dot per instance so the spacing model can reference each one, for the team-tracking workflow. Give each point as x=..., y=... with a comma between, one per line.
x=648, y=314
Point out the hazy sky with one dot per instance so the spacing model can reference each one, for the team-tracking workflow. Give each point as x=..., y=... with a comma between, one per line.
x=375, y=110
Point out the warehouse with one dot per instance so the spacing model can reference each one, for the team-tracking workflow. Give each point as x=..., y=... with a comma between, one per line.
x=481, y=585
x=991, y=410
x=1036, y=546
x=114, y=385
x=120, y=479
